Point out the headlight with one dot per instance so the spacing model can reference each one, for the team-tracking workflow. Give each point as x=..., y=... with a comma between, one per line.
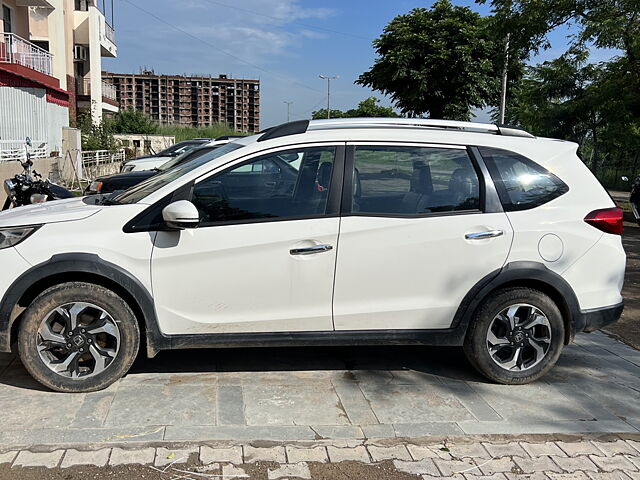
x=9, y=186
x=10, y=237
x=38, y=198
x=95, y=187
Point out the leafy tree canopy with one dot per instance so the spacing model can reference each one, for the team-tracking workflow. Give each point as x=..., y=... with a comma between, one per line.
x=367, y=108
x=439, y=61
x=133, y=122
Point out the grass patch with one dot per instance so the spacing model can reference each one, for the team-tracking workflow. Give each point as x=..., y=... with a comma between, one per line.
x=187, y=133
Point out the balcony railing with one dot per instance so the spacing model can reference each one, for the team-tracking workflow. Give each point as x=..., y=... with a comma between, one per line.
x=83, y=87
x=17, y=50
x=109, y=32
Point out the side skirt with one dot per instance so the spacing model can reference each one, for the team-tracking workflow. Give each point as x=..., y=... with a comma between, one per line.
x=445, y=337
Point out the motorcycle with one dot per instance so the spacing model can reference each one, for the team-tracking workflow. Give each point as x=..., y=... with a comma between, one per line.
x=29, y=188
x=634, y=197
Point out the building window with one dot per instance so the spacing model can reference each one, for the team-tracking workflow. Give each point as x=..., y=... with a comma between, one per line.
x=82, y=5
x=7, y=19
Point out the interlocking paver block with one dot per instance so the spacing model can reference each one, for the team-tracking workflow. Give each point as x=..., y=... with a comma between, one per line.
x=495, y=476
x=273, y=454
x=579, y=448
x=231, y=472
x=574, y=464
x=166, y=456
x=614, y=448
x=635, y=460
x=610, y=476
x=354, y=454
x=420, y=452
x=221, y=455
x=315, y=454
x=634, y=444
x=468, y=450
x=537, y=464
x=99, y=458
x=452, y=477
x=143, y=456
x=498, y=465
x=423, y=467
x=397, y=452
x=610, y=464
x=8, y=457
x=451, y=467
x=526, y=476
x=511, y=449
x=30, y=459
x=298, y=470
x=568, y=476
x=542, y=449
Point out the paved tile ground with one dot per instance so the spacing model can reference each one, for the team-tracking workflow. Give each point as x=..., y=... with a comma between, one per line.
x=336, y=393
x=471, y=459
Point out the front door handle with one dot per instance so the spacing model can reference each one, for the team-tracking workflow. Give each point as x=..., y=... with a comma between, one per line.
x=484, y=235
x=311, y=250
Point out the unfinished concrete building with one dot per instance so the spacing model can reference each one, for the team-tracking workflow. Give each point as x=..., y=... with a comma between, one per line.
x=190, y=100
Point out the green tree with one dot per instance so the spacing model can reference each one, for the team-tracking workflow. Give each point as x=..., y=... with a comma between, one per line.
x=441, y=61
x=133, y=122
x=369, y=107
x=96, y=136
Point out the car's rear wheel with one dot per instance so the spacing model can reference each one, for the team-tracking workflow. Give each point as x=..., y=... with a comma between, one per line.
x=78, y=337
x=516, y=336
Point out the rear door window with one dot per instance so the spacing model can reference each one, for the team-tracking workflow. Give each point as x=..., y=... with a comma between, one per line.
x=522, y=184
x=396, y=180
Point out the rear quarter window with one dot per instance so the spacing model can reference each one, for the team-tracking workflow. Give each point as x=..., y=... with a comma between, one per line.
x=522, y=184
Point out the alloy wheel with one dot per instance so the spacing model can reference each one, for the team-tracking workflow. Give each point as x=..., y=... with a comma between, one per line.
x=519, y=337
x=78, y=340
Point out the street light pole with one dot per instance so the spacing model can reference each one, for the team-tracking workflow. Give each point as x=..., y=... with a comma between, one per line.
x=328, y=79
x=505, y=72
x=288, y=110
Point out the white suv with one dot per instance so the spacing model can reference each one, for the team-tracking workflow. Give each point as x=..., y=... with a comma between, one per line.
x=357, y=231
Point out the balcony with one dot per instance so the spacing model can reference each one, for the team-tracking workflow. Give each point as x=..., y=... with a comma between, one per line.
x=83, y=88
x=18, y=51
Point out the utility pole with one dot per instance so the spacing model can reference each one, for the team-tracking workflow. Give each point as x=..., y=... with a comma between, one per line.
x=505, y=71
x=328, y=79
x=288, y=110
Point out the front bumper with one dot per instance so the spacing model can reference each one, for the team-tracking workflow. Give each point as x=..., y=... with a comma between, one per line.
x=592, y=320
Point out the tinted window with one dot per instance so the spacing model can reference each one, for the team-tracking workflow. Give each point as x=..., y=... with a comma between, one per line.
x=269, y=187
x=521, y=183
x=413, y=181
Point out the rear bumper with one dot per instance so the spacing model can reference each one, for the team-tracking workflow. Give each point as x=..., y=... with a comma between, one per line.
x=592, y=320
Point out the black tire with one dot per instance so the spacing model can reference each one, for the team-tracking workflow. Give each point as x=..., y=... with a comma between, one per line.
x=68, y=293
x=476, y=347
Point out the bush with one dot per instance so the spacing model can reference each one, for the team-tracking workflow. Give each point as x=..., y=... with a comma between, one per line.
x=96, y=136
x=133, y=122
x=182, y=132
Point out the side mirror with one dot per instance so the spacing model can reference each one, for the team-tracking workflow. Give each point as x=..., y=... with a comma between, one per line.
x=180, y=215
x=625, y=179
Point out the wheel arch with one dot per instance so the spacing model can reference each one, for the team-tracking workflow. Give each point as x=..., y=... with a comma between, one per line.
x=88, y=268
x=524, y=274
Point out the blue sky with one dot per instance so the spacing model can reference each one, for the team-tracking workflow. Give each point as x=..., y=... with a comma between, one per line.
x=284, y=43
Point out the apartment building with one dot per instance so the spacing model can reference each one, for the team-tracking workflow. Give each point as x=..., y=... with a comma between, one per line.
x=190, y=100
x=50, y=69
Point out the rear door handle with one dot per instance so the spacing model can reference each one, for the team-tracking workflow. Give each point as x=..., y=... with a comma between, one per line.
x=484, y=235
x=311, y=250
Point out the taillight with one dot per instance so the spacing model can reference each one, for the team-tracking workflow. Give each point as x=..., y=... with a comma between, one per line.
x=608, y=220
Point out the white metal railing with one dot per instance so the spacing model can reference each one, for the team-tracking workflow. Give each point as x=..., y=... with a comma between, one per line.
x=108, y=90
x=84, y=88
x=17, y=50
x=15, y=150
x=101, y=162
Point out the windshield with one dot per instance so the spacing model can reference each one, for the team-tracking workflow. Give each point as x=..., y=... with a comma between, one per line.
x=185, y=157
x=179, y=148
x=155, y=183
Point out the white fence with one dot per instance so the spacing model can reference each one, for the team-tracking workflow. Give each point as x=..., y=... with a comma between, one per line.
x=99, y=163
x=15, y=150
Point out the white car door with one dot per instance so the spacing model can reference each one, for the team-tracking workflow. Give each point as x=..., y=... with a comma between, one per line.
x=414, y=237
x=263, y=257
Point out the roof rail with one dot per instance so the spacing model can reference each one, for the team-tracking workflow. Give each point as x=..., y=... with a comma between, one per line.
x=303, y=126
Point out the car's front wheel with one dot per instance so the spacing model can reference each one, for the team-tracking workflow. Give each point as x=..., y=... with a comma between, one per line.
x=78, y=337
x=516, y=336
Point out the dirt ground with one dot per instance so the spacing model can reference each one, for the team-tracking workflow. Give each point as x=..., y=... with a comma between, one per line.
x=628, y=328
x=257, y=471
